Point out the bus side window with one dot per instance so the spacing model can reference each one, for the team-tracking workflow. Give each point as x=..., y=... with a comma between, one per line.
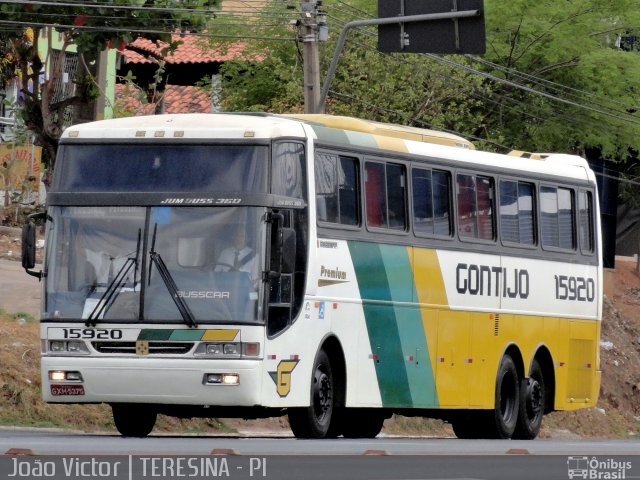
x=337, y=189
x=396, y=196
x=385, y=192
x=475, y=207
x=288, y=170
x=585, y=214
x=375, y=194
x=557, y=211
x=432, y=202
x=517, y=220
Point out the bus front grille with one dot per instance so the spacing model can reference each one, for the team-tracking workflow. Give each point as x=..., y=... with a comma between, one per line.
x=155, y=348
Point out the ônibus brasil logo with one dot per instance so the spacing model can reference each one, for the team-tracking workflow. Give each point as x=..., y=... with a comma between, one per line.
x=596, y=468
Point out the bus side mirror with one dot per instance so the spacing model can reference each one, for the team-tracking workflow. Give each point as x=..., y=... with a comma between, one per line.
x=288, y=250
x=29, y=245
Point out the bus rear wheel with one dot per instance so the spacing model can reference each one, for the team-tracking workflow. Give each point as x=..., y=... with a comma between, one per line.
x=502, y=420
x=134, y=420
x=532, y=395
x=314, y=421
x=362, y=422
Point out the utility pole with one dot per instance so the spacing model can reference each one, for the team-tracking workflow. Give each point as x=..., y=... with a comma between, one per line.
x=311, y=59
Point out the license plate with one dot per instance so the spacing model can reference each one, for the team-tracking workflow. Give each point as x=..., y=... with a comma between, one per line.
x=58, y=390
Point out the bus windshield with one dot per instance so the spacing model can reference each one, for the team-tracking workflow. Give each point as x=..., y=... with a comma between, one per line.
x=155, y=264
x=172, y=168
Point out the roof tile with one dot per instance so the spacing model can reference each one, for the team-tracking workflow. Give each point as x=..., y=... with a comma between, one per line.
x=193, y=49
x=177, y=99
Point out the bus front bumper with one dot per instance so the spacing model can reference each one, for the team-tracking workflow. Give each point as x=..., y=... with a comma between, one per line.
x=165, y=381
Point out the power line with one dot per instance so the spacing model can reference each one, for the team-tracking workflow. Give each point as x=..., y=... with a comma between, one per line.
x=526, y=107
x=140, y=30
x=105, y=6
x=420, y=122
x=527, y=88
x=548, y=83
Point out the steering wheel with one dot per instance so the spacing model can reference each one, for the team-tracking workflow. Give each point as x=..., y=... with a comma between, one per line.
x=230, y=267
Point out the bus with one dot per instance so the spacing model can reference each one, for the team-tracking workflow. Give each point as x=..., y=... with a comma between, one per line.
x=331, y=269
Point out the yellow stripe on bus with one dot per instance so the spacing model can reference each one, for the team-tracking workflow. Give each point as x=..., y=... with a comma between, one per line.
x=220, y=335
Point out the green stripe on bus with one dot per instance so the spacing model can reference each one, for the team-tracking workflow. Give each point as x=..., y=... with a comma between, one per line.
x=331, y=135
x=410, y=327
x=186, y=335
x=362, y=139
x=153, y=334
x=381, y=324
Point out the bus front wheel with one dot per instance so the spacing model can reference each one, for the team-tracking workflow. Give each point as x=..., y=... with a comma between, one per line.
x=134, y=420
x=314, y=421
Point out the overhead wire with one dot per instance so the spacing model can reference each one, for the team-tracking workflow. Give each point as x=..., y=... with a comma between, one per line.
x=423, y=123
x=516, y=85
x=525, y=112
x=254, y=7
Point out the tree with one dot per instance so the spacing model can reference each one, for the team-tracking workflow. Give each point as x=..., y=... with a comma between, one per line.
x=553, y=78
x=567, y=50
x=91, y=26
x=412, y=89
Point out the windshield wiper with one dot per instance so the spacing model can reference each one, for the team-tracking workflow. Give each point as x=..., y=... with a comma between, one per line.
x=115, y=286
x=156, y=260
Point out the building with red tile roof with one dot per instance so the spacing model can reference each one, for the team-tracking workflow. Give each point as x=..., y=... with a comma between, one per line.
x=191, y=62
x=131, y=101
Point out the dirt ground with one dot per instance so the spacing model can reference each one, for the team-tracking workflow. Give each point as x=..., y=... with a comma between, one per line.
x=616, y=416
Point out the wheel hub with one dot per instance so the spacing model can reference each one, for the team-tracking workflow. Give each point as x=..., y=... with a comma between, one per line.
x=322, y=395
x=534, y=398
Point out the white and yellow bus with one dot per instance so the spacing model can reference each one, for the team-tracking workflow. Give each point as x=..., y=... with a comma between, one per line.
x=328, y=268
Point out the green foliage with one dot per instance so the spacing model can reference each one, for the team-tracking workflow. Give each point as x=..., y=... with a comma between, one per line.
x=91, y=27
x=568, y=49
x=112, y=23
x=565, y=50
x=394, y=88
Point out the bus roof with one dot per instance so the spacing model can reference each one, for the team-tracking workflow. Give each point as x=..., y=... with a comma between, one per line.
x=188, y=126
x=385, y=129
x=329, y=129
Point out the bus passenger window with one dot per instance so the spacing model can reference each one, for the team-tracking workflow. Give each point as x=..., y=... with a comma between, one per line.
x=585, y=210
x=431, y=202
x=557, y=211
x=475, y=207
x=385, y=188
x=376, y=195
x=517, y=224
x=337, y=189
x=395, y=193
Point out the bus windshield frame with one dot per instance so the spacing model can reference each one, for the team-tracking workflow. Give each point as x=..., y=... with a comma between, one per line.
x=147, y=264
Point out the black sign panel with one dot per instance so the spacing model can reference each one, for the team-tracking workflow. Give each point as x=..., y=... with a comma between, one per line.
x=463, y=35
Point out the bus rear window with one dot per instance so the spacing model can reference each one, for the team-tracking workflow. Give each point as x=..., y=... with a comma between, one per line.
x=162, y=168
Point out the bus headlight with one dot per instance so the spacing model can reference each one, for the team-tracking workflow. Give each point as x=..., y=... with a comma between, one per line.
x=65, y=376
x=68, y=347
x=221, y=379
x=231, y=349
x=228, y=350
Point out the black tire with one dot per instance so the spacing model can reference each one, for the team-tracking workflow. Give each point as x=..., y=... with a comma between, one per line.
x=362, y=422
x=501, y=421
x=314, y=421
x=134, y=420
x=532, y=398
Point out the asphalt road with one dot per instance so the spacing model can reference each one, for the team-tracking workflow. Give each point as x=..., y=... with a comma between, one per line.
x=288, y=458
x=19, y=292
